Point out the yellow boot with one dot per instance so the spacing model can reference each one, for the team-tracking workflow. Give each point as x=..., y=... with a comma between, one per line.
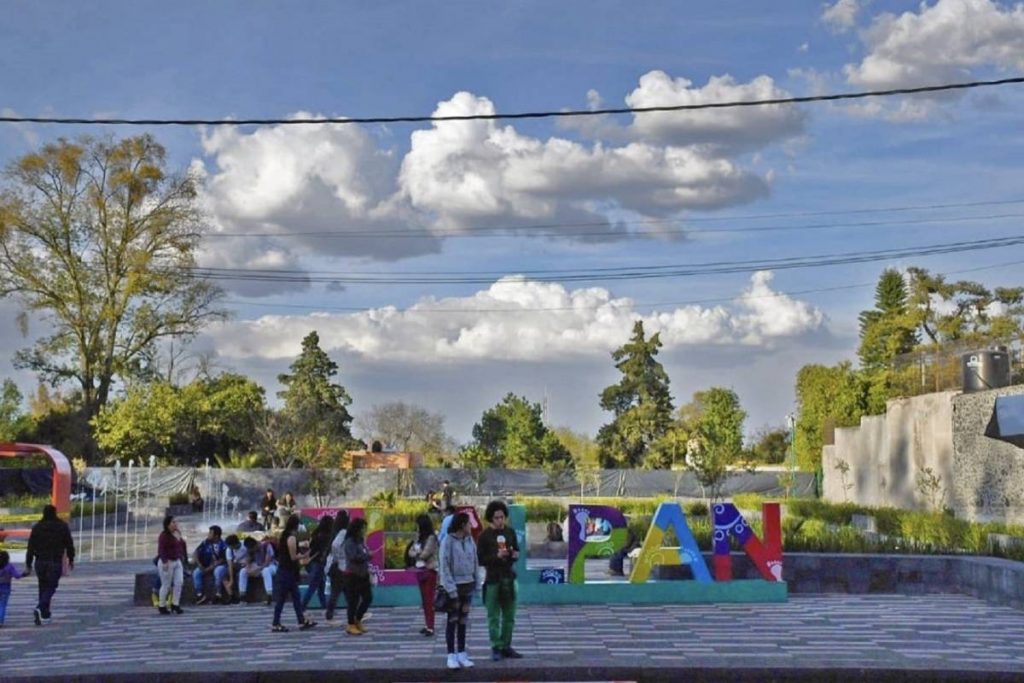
x=353, y=630
x=359, y=625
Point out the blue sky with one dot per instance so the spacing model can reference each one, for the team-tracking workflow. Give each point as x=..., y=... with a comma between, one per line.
x=449, y=347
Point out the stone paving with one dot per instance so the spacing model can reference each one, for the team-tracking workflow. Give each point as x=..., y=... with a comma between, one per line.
x=96, y=634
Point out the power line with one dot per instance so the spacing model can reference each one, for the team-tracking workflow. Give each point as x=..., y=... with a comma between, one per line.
x=603, y=274
x=689, y=302
x=298, y=121
x=644, y=221
x=480, y=232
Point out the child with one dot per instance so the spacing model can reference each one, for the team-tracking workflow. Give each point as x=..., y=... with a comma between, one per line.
x=7, y=572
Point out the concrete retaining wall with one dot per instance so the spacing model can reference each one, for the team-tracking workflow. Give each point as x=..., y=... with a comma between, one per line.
x=980, y=478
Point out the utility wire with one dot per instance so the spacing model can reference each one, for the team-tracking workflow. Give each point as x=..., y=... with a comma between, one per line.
x=642, y=221
x=298, y=121
x=689, y=302
x=603, y=274
x=486, y=232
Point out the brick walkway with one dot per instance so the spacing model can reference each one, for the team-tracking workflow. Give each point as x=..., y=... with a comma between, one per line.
x=96, y=635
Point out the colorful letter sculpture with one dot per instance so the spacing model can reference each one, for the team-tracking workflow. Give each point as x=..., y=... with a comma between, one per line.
x=594, y=531
x=766, y=555
x=669, y=516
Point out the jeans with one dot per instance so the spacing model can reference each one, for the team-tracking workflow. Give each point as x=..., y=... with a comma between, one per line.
x=358, y=596
x=48, y=572
x=428, y=586
x=501, y=616
x=286, y=584
x=5, y=595
x=337, y=588
x=171, y=578
x=316, y=584
x=220, y=572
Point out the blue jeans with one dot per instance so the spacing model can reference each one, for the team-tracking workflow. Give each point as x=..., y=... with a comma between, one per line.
x=286, y=584
x=220, y=572
x=5, y=595
x=316, y=584
x=48, y=572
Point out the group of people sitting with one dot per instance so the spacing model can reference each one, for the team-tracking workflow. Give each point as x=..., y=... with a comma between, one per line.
x=446, y=564
x=276, y=512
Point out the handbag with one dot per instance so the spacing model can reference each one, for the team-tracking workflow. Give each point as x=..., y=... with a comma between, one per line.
x=441, y=599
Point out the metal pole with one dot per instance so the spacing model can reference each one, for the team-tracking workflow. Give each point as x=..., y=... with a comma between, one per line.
x=117, y=485
x=128, y=506
x=149, y=492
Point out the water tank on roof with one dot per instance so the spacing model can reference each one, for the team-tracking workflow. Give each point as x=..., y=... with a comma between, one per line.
x=988, y=369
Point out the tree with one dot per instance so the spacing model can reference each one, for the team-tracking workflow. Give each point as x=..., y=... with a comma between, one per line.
x=208, y=418
x=13, y=422
x=406, y=427
x=101, y=240
x=770, y=445
x=314, y=422
x=513, y=435
x=714, y=421
x=640, y=402
x=888, y=329
x=949, y=311
x=827, y=397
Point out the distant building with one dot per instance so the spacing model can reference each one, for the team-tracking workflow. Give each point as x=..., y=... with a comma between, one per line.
x=371, y=459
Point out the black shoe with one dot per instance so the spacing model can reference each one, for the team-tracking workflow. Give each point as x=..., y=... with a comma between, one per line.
x=202, y=599
x=235, y=600
x=37, y=616
x=177, y=610
x=426, y=632
x=509, y=653
x=495, y=654
x=329, y=615
x=306, y=625
x=269, y=600
x=163, y=610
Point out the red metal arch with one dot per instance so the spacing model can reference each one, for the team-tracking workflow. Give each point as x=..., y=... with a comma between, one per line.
x=61, y=491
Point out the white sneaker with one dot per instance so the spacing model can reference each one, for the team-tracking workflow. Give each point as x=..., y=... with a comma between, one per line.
x=464, y=661
x=453, y=662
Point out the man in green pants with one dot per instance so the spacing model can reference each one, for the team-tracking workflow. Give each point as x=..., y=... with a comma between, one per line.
x=498, y=550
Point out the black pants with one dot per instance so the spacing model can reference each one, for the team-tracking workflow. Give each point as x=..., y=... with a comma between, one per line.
x=48, y=572
x=358, y=595
x=337, y=589
x=286, y=585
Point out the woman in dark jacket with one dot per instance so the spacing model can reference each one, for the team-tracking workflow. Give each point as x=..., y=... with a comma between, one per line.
x=286, y=580
x=358, y=593
x=319, y=546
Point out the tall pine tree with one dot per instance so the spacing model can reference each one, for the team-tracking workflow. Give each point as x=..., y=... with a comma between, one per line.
x=888, y=329
x=315, y=418
x=641, y=403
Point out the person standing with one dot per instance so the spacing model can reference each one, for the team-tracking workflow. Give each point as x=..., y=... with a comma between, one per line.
x=498, y=551
x=447, y=494
x=286, y=581
x=7, y=572
x=423, y=553
x=319, y=547
x=458, y=566
x=171, y=553
x=268, y=506
x=48, y=543
x=446, y=522
x=336, y=563
x=358, y=591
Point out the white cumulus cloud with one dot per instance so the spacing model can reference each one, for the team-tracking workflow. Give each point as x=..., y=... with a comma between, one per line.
x=841, y=16
x=729, y=130
x=516, y=319
x=943, y=42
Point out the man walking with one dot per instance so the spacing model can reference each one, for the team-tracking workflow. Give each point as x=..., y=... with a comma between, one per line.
x=49, y=541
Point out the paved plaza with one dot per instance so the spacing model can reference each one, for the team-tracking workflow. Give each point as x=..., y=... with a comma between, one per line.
x=97, y=635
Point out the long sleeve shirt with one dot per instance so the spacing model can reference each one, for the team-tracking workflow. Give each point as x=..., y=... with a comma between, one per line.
x=10, y=572
x=491, y=540
x=170, y=548
x=48, y=541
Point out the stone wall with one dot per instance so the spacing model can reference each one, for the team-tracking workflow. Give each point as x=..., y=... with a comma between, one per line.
x=980, y=478
x=989, y=479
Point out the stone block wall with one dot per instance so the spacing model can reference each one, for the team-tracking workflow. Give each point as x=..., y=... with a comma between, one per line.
x=989, y=474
